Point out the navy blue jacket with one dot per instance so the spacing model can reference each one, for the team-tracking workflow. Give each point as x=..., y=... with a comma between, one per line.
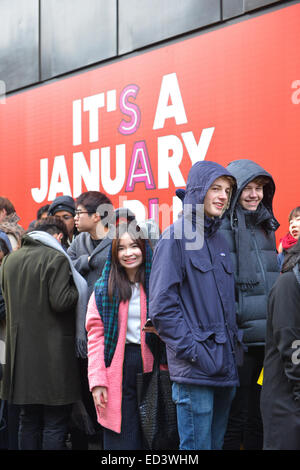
x=192, y=302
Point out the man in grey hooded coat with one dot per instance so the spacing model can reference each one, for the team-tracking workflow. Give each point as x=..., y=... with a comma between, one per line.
x=249, y=230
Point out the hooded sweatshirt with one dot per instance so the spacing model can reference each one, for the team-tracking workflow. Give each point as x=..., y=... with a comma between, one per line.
x=251, y=238
x=192, y=302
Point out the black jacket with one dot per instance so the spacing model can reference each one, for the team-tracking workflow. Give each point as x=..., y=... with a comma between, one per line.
x=259, y=251
x=280, y=396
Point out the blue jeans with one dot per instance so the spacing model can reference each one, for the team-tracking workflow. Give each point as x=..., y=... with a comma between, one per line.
x=202, y=415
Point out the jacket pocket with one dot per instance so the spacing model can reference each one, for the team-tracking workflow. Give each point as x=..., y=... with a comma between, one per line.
x=227, y=265
x=202, y=265
x=212, y=353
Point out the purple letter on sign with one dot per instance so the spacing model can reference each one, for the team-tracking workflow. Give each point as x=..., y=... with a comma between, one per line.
x=140, y=168
x=130, y=109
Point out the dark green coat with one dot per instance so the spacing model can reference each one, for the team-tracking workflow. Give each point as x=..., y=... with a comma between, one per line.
x=40, y=297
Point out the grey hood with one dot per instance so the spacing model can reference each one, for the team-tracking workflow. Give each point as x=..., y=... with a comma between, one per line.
x=244, y=171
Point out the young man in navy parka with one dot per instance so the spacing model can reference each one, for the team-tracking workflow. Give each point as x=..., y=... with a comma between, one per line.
x=192, y=306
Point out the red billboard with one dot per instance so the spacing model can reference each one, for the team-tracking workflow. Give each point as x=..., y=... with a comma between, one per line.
x=133, y=128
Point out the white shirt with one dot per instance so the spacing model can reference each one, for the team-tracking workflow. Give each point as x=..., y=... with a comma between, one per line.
x=133, y=334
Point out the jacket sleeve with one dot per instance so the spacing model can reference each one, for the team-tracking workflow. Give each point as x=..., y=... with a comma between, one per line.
x=2, y=307
x=167, y=275
x=286, y=328
x=80, y=261
x=95, y=332
x=63, y=295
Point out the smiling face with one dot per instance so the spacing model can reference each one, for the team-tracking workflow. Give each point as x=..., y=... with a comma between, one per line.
x=251, y=196
x=217, y=196
x=130, y=255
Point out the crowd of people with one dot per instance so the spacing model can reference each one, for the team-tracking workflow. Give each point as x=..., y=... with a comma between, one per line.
x=221, y=300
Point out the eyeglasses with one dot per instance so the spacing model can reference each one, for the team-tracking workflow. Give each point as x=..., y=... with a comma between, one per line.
x=83, y=212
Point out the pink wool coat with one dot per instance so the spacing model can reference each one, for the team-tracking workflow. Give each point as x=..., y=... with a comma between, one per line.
x=111, y=377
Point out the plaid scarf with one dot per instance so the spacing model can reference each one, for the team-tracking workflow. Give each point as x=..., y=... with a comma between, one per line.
x=109, y=309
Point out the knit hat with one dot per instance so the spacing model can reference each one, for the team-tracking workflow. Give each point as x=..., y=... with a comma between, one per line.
x=62, y=203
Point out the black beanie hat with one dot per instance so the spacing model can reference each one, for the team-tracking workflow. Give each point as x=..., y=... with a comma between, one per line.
x=62, y=203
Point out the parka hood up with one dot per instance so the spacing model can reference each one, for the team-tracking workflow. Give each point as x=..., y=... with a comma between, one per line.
x=245, y=171
x=201, y=176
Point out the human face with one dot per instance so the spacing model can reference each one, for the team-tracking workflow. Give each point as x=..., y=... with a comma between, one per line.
x=44, y=215
x=216, y=198
x=130, y=255
x=68, y=219
x=58, y=237
x=251, y=196
x=294, y=228
x=3, y=214
x=83, y=219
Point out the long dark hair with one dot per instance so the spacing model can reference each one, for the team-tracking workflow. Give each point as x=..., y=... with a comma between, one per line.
x=118, y=279
x=294, y=213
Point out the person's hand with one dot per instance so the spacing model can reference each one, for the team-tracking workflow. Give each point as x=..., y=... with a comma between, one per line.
x=150, y=329
x=100, y=397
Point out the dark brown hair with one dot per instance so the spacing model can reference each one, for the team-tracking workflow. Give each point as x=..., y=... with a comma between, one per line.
x=95, y=201
x=52, y=225
x=118, y=280
x=294, y=213
x=262, y=180
x=7, y=205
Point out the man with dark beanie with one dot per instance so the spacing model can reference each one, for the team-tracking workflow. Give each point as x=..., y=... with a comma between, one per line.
x=63, y=207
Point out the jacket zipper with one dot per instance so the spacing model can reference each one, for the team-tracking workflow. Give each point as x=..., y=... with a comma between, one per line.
x=258, y=257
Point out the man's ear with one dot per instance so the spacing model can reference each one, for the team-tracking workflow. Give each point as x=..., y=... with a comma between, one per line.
x=58, y=236
x=97, y=217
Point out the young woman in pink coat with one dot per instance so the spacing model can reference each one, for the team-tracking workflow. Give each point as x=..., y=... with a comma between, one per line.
x=118, y=345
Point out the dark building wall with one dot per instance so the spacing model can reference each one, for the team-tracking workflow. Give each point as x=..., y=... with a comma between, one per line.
x=43, y=39
x=76, y=33
x=19, y=43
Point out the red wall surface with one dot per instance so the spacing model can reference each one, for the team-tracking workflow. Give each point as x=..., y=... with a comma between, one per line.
x=224, y=95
